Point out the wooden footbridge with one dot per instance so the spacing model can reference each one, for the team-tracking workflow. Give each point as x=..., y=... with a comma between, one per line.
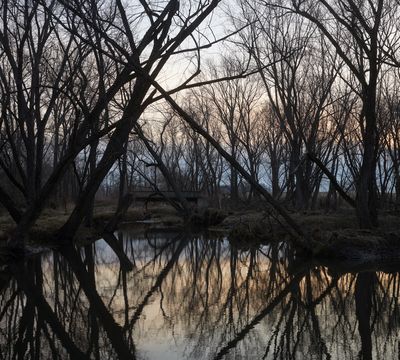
x=165, y=196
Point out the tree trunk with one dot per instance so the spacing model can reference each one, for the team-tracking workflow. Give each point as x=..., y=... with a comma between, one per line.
x=275, y=176
x=234, y=185
x=366, y=199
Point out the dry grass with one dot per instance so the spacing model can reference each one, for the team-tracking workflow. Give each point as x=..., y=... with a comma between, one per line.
x=53, y=219
x=319, y=225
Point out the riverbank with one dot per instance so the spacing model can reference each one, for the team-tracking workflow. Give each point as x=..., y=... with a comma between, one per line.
x=334, y=233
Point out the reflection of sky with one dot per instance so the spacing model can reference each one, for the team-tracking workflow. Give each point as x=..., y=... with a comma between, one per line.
x=170, y=335
x=209, y=296
x=175, y=335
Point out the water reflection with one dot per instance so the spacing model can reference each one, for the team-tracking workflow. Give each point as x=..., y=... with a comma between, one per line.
x=168, y=296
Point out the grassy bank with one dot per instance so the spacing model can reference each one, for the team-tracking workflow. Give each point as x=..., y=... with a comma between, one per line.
x=52, y=219
x=326, y=232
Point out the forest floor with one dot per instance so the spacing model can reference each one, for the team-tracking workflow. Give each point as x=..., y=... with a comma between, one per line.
x=246, y=226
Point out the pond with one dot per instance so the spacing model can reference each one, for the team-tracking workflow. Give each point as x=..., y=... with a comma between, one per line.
x=183, y=296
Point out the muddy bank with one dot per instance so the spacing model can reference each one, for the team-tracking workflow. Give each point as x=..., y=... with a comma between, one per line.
x=327, y=235
x=352, y=244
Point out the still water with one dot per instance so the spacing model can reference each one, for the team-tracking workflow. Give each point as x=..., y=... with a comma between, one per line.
x=172, y=296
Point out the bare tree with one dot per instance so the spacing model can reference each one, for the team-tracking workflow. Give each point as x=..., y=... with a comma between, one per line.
x=133, y=44
x=359, y=34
